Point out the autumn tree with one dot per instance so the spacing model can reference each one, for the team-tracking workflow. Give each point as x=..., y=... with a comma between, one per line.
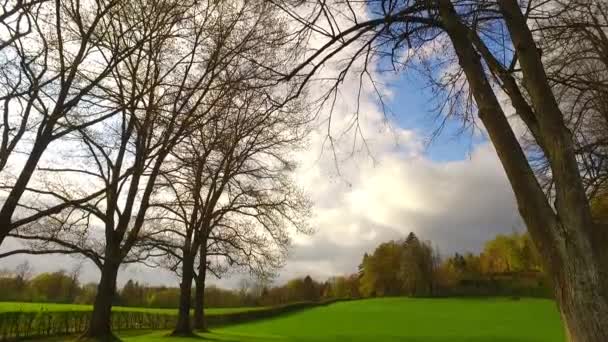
x=343, y=287
x=379, y=277
x=404, y=267
x=417, y=267
x=501, y=255
x=57, y=287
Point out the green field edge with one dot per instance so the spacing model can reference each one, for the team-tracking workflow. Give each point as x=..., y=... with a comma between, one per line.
x=15, y=307
x=522, y=324
x=214, y=320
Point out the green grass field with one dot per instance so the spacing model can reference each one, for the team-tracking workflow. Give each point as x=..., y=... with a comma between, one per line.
x=24, y=306
x=398, y=319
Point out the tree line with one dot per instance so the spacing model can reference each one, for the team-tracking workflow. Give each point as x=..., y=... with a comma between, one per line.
x=508, y=265
x=61, y=286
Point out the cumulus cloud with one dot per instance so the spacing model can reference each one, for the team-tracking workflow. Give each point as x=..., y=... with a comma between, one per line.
x=457, y=205
x=365, y=195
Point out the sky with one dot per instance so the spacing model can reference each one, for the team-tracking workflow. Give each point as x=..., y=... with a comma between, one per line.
x=450, y=190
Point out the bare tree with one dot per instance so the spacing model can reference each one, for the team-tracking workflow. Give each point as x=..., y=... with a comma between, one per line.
x=17, y=20
x=195, y=64
x=497, y=51
x=228, y=193
x=169, y=85
x=250, y=231
x=56, y=62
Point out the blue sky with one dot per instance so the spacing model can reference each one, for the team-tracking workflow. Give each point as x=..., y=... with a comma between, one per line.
x=412, y=108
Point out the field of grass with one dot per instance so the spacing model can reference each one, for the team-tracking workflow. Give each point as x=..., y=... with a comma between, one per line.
x=399, y=319
x=24, y=306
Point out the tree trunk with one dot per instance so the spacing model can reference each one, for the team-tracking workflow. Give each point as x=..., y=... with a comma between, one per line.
x=100, y=326
x=12, y=200
x=581, y=289
x=200, y=322
x=572, y=249
x=183, y=326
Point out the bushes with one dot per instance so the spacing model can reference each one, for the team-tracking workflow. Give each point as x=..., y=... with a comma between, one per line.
x=20, y=325
x=519, y=284
x=15, y=325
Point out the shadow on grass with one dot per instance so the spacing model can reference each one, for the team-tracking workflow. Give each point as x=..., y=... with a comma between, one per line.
x=223, y=336
x=165, y=336
x=231, y=337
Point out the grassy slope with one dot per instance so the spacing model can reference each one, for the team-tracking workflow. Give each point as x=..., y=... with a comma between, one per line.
x=400, y=319
x=23, y=306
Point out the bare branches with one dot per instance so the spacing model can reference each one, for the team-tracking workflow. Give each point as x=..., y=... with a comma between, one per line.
x=231, y=166
x=180, y=117
x=574, y=48
x=62, y=68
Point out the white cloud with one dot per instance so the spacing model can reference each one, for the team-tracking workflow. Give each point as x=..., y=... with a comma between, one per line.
x=457, y=204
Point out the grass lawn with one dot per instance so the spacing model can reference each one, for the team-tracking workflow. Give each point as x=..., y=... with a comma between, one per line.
x=398, y=319
x=24, y=306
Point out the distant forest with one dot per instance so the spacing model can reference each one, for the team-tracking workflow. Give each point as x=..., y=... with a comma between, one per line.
x=509, y=265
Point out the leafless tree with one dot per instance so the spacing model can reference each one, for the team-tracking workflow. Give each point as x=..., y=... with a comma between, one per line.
x=250, y=232
x=17, y=20
x=198, y=62
x=169, y=85
x=57, y=59
x=228, y=194
x=496, y=50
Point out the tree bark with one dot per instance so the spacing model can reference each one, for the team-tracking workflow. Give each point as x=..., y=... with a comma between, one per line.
x=12, y=200
x=183, y=326
x=200, y=323
x=100, y=326
x=581, y=293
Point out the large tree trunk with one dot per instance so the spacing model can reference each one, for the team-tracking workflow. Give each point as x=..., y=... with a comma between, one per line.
x=100, y=326
x=183, y=326
x=581, y=289
x=572, y=248
x=580, y=271
x=200, y=323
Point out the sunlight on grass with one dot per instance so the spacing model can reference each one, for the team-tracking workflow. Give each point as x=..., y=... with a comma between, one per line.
x=399, y=319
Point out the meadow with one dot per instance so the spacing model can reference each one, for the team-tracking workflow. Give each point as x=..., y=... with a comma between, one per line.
x=397, y=319
x=37, y=306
